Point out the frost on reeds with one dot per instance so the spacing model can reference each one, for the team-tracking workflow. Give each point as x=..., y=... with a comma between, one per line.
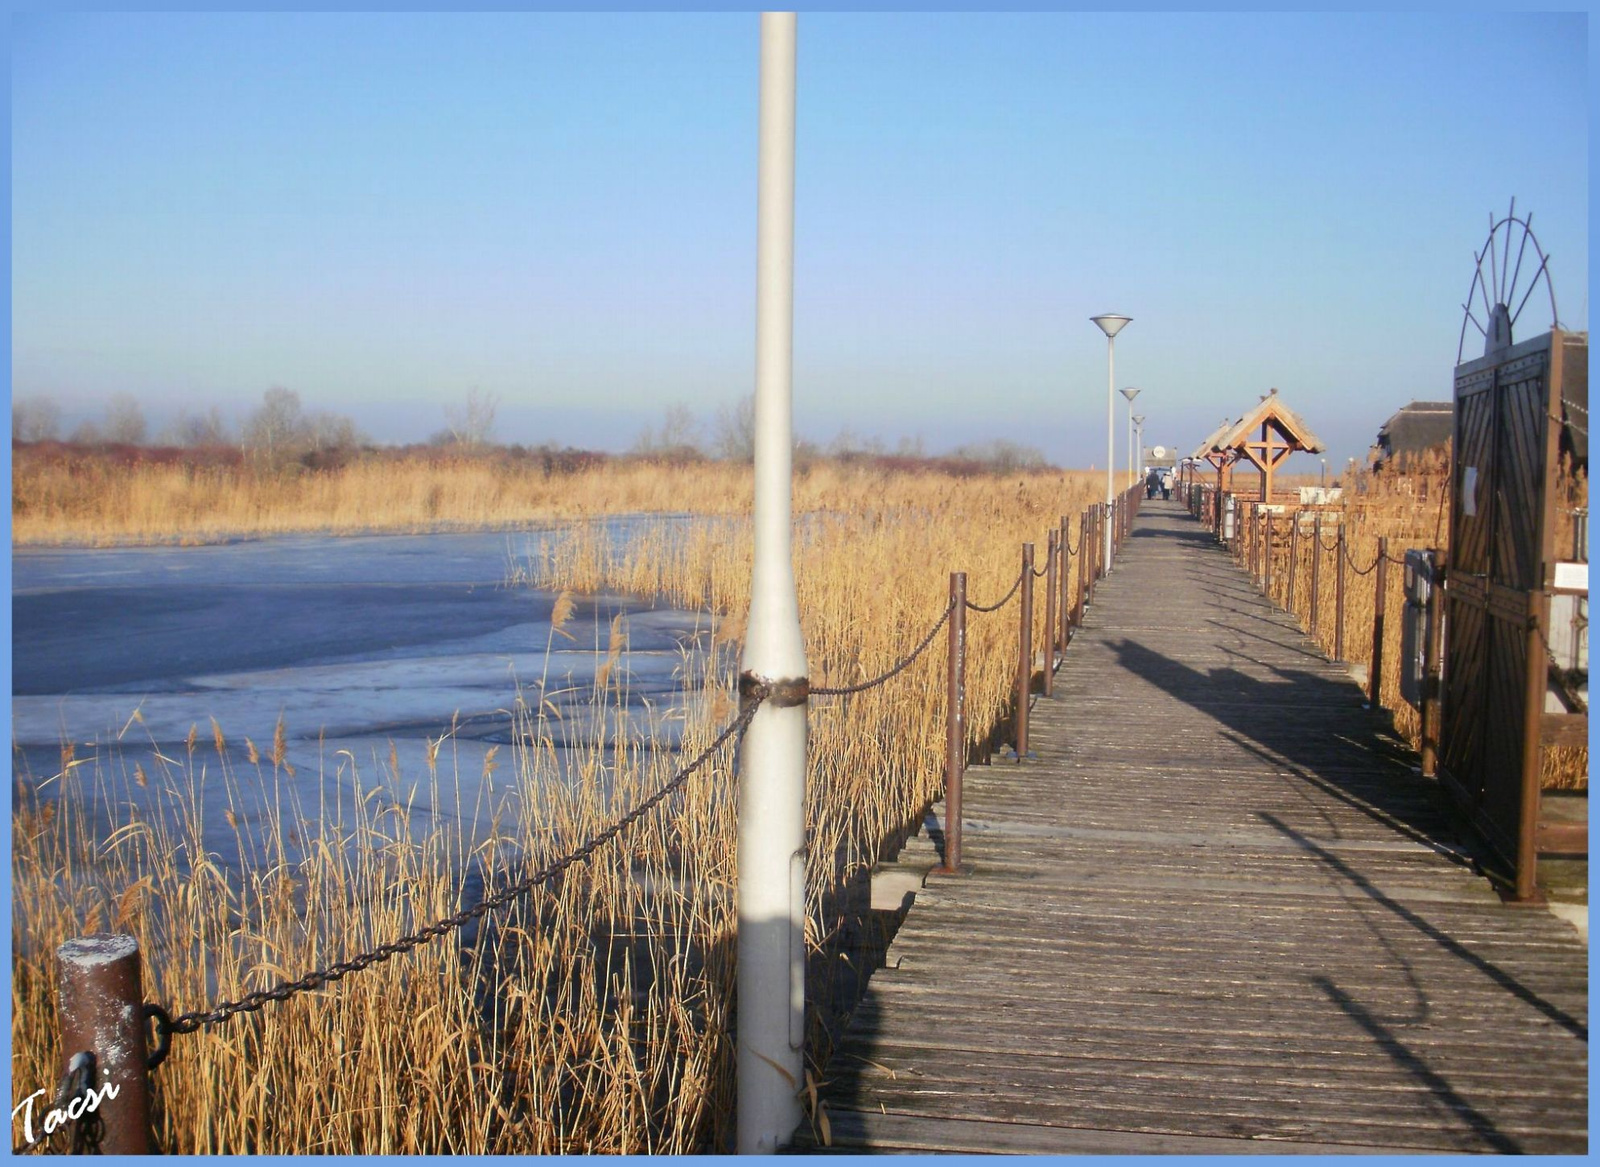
x=591, y=1015
x=595, y=1014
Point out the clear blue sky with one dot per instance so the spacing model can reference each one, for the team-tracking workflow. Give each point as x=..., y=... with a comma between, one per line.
x=382, y=212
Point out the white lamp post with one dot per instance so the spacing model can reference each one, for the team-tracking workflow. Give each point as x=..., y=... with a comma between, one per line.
x=1137, y=464
x=772, y=761
x=1110, y=324
x=1130, y=393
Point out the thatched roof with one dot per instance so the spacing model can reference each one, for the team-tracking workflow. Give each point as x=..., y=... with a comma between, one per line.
x=1211, y=444
x=1272, y=409
x=1421, y=425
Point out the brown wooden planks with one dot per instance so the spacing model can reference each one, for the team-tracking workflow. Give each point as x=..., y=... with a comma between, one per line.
x=1220, y=913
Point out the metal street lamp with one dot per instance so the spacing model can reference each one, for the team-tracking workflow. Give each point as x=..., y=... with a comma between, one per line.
x=1137, y=463
x=1110, y=323
x=772, y=759
x=1324, y=474
x=1130, y=393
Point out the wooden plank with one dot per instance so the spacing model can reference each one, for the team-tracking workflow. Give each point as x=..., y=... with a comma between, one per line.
x=854, y=1131
x=1569, y=730
x=1219, y=912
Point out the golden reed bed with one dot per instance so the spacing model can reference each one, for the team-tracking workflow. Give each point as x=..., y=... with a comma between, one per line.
x=601, y=1023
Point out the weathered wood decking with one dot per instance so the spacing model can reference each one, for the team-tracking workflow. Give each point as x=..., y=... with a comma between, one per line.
x=1218, y=912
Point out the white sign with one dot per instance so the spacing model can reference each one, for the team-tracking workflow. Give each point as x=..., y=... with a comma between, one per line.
x=1572, y=577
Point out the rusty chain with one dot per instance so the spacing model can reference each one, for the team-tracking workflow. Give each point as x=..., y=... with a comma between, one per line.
x=1001, y=603
x=88, y=1131
x=192, y=1021
x=1349, y=557
x=905, y=663
x=753, y=695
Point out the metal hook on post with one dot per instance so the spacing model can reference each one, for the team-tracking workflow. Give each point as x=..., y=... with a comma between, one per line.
x=101, y=1003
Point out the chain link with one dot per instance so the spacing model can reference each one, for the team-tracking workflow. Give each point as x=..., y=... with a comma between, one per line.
x=1350, y=559
x=192, y=1021
x=88, y=1131
x=906, y=663
x=166, y=1025
x=1001, y=603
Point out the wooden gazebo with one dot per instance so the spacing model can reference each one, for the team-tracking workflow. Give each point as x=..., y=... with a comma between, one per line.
x=1281, y=433
x=1220, y=457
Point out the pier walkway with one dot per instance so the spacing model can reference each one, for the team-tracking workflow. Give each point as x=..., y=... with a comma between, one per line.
x=1217, y=912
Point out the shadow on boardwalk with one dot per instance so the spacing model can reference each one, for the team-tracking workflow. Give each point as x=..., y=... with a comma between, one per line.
x=1220, y=913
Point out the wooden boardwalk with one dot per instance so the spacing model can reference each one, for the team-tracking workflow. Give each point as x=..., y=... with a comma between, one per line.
x=1218, y=912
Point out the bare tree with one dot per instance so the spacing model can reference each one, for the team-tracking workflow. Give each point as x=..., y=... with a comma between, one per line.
x=331, y=431
x=735, y=435
x=1002, y=455
x=678, y=436
x=35, y=418
x=124, y=420
x=472, y=422
x=87, y=433
x=194, y=430
x=270, y=435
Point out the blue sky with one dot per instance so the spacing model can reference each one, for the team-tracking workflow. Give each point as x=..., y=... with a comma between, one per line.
x=384, y=212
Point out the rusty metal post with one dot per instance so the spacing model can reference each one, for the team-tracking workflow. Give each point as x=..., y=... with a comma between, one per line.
x=1379, y=604
x=1294, y=558
x=1432, y=655
x=1050, y=606
x=1024, y=652
x=1536, y=681
x=1098, y=563
x=101, y=1003
x=1064, y=616
x=1084, y=551
x=1338, y=597
x=955, y=726
x=1266, y=557
x=1316, y=574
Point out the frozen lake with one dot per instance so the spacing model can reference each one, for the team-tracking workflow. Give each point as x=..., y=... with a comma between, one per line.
x=366, y=647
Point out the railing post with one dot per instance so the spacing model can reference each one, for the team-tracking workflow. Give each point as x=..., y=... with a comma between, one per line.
x=1255, y=544
x=1266, y=554
x=1099, y=549
x=1379, y=604
x=1064, y=617
x=1102, y=520
x=1338, y=597
x=1432, y=656
x=1085, y=550
x=1316, y=573
x=101, y=1001
x=1050, y=605
x=955, y=726
x=1024, y=652
x=1294, y=558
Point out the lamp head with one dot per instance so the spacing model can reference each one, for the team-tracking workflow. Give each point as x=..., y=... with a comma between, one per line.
x=1110, y=323
x=1139, y=420
x=1130, y=394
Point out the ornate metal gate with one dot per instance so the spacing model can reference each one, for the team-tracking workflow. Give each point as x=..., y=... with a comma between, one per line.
x=1509, y=412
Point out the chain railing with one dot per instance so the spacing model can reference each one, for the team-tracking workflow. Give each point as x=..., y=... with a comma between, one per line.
x=123, y=1125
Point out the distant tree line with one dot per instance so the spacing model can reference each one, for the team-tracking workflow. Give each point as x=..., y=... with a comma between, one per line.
x=730, y=436
x=280, y=434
